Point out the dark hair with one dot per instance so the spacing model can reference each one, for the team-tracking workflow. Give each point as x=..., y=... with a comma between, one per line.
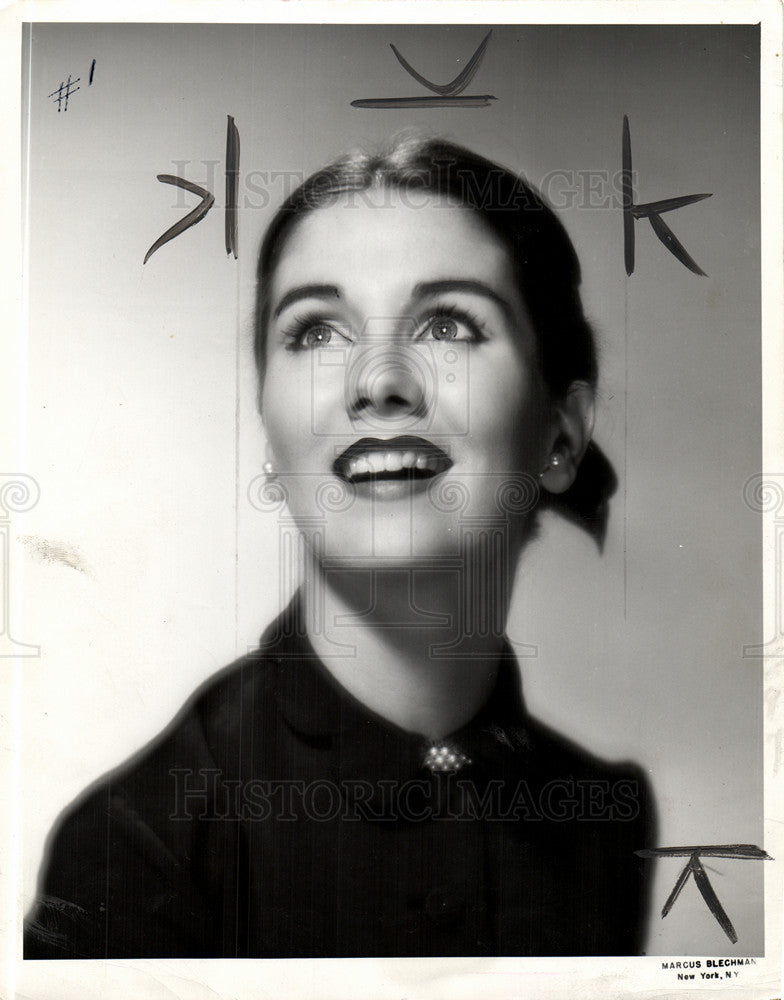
x=545, y=266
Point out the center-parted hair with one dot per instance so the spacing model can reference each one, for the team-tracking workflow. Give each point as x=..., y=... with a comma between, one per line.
x=545, y=266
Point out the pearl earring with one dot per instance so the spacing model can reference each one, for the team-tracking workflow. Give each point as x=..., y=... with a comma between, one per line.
x=553, y=463
x=269, y=470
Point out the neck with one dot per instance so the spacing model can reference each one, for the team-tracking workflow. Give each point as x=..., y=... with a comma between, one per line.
x=419, y=648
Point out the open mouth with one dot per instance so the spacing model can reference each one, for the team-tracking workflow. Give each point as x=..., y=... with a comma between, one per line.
x=399, y=458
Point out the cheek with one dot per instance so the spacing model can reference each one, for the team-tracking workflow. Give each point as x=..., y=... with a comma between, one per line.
x=299, y=401
x=282, y=413
x=286, y=401
x=509, y=413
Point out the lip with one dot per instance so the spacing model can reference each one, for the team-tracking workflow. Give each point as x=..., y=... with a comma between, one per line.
x=434, y=459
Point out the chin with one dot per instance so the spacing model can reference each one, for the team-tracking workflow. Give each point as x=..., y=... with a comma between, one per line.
x=388, y=549
x=437, y=529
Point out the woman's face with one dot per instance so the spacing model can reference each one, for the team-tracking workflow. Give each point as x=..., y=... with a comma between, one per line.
x=402, y=400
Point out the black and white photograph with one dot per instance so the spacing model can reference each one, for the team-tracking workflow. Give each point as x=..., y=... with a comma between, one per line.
x=391, y=536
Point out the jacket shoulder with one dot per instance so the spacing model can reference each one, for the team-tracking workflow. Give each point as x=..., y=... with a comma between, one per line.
x=118, y=848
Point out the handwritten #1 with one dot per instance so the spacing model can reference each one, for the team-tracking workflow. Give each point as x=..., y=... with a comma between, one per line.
x=68, y=87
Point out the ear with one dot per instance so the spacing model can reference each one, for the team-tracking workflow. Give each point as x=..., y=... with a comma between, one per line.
x=573, y=427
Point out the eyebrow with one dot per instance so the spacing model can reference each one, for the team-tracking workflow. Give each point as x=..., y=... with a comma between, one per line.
x=306, y=292
x=426, y=288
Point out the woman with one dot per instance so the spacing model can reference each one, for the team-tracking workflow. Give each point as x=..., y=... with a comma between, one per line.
x=368, y=782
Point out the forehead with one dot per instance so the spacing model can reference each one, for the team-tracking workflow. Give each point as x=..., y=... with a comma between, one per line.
x=394, y=241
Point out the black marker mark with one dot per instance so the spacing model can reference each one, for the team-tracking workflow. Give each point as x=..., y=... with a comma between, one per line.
x=652, y=211
x=232, y=173
x=460, y=82
x=207, y=198
x=60, y=95
x=447, y=92
x=92, y=70
x=482, y=101
x=746, y=852
x=194, y=216
x=627, y=198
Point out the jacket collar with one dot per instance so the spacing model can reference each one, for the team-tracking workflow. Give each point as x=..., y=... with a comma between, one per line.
x=324, y=714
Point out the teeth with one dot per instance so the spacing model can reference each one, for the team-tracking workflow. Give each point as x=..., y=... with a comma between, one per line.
x=377, y=462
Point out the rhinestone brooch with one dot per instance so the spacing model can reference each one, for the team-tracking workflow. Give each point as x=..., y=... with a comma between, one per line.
x=445, y=758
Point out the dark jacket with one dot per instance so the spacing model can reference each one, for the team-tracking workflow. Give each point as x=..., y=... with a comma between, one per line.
x=277, y=817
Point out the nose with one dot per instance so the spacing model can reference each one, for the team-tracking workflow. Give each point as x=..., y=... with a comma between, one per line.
x=384, y=384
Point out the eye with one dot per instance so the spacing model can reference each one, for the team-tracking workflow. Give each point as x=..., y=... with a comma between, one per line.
x=309, y=332
x=452, y=323
x=316, y=335
x=444, y=329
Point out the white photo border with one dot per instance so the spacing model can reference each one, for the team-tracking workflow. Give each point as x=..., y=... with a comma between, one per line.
x=412, y=978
